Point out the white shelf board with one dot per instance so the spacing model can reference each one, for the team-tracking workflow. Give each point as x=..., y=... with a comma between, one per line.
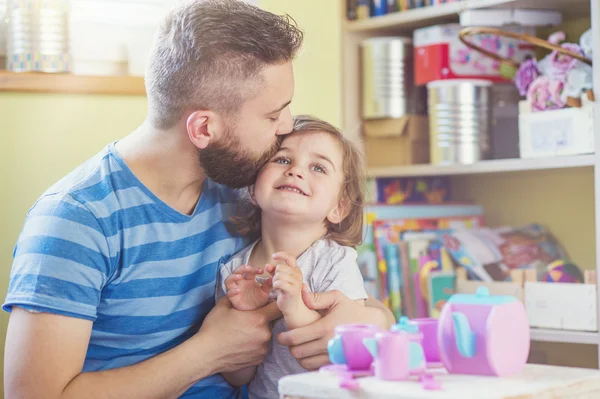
x=491, y=166
x=573, y=337
x=441, y=13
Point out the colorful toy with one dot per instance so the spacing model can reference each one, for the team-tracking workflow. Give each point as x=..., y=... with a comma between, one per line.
x=402, y=190
x=393, y=355
x=415, y=354
x=346, y=348
x=391, y=351
x=483, y=335
x=428, y=328
x=560, y=271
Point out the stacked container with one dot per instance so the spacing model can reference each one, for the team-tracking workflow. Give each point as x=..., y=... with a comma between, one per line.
x=387, y=78
x=459, y=120
x=38, y=36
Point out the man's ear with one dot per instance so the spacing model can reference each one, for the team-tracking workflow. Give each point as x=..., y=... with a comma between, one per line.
x=251, y=195
x=203, y=128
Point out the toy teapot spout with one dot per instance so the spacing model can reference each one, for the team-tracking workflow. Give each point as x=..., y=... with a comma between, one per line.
x=371, y=345
x=465, y=337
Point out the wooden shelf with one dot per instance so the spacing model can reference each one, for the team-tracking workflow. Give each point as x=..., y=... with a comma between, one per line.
x=432, y=15
x=74, y=84
x=492, y=166
x=572, y=337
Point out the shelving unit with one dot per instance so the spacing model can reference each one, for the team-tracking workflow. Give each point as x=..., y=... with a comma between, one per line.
x=491, y=166
x=514, y=180
x=572, y=337
x=74, y=84
x=446, y=12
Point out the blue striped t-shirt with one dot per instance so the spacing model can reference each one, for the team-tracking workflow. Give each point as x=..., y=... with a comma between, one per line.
x=99, y=245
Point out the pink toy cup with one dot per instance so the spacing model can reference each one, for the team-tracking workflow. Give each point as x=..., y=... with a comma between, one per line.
x=428, y=327
x=391, y=351
x=346, y=347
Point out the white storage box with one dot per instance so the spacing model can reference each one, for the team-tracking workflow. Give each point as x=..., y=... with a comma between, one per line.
x=567, y=131
x=562, y=306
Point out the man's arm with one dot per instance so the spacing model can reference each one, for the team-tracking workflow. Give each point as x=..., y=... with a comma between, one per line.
x=309, y=344
x=45, y=354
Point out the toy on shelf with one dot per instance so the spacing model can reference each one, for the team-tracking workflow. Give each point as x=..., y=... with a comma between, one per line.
x=484, y=335
x=490, y=254
x=402, y=190
x=560, y=271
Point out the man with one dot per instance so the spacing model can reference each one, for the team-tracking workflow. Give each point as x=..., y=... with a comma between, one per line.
x=113, y=280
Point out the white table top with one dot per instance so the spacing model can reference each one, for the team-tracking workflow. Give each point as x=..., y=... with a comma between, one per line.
x=536, y=381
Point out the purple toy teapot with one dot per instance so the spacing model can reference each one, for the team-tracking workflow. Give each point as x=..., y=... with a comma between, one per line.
x=482, y=334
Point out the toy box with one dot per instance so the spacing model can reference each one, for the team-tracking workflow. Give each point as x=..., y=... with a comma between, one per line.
x=566, y=131
x=439, y=54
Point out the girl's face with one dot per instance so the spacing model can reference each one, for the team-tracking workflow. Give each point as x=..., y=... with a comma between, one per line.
x=303, y=180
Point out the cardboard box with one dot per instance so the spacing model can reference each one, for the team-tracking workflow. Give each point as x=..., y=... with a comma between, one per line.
x=393, y=142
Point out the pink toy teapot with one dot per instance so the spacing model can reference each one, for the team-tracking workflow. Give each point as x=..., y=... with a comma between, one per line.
x=398, y=353
x=482, y=334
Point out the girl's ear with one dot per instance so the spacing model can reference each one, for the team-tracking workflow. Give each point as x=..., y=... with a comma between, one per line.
x=337, y=214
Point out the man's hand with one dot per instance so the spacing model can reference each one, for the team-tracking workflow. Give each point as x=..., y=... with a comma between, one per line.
x=239, y=338
x=309, y=344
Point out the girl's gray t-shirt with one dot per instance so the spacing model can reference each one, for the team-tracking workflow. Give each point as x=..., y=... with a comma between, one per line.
x=325, y=266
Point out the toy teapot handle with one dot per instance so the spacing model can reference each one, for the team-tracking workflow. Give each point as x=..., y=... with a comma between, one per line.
x=465, y=337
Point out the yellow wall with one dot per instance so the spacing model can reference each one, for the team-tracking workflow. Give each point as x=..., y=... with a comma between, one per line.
x=318, y=68
x=43, y=137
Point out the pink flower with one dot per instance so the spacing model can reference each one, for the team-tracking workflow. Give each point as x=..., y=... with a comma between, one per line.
x=559, y=64
x=557, y=37
x=545, y=94
x=526, y=74
x=556, y=88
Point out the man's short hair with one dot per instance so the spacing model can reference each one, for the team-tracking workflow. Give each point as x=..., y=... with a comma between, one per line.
x=208, y=54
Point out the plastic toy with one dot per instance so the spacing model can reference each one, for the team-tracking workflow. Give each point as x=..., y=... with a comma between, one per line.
x=416, y=354
x=428, y=327
x=346, y=348
x=483, y=335
x=391, y=351
x=560, y=271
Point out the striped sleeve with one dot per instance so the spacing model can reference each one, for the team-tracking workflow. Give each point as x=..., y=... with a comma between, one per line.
x=61, y=260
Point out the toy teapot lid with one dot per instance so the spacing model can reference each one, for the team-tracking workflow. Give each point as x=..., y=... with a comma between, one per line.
x=481, y=297
x=404, y=325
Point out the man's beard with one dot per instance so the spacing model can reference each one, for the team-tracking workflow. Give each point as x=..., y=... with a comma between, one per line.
x=225, y=162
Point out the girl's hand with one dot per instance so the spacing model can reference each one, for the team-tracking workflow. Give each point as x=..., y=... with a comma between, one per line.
x=244, y=292
x=287, y=279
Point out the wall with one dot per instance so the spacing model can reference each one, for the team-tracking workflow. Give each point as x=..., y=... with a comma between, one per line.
x=43, y=137
x=318, y=67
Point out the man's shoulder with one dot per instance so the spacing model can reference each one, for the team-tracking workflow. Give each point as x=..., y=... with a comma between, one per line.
x=85, y=176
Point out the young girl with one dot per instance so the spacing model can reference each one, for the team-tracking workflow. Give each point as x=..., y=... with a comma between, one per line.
x=307, y=207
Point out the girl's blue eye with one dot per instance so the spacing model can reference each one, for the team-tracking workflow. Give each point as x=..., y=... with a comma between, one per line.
x=282, y=160
x=319, y=169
